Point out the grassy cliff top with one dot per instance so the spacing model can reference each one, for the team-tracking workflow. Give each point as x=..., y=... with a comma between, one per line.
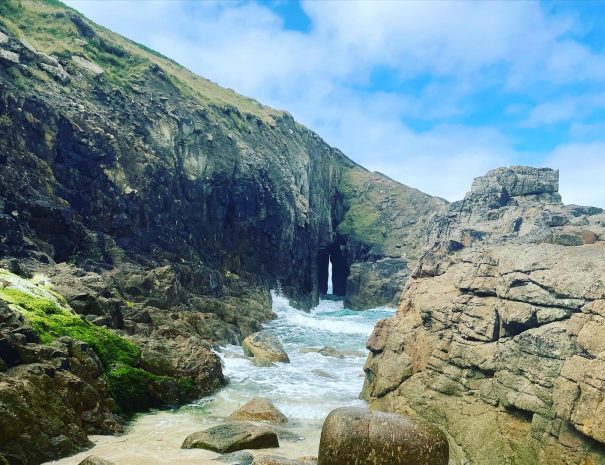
x=55, y=29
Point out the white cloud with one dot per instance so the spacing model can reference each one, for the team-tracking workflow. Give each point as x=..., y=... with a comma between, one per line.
x=581, y=169
x=565, y=109
x=322, y=76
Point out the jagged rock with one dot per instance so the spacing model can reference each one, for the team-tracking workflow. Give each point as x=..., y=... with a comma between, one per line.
x=236, y=458
x=231, y=437
x=498, y=334
x=355, y=435
x=376, y=284
x=3, y=38
x=87, y=66
x=94, y=460
x=9, y=57
x=259, y=409
x=265, y=345
x=57, y=72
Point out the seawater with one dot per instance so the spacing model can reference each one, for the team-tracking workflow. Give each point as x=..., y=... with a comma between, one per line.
x=304, y=397
x=293, y=387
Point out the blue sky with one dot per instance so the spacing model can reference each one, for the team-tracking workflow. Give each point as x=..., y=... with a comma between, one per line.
x=430, y=93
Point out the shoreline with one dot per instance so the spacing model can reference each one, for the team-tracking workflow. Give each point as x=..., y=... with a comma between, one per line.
x=155, y=438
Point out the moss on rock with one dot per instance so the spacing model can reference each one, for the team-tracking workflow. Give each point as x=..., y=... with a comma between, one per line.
x=133, y=388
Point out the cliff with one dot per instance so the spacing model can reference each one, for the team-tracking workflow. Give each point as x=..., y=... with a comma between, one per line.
x=499, y=334
x=113, y=154
x=145, y=205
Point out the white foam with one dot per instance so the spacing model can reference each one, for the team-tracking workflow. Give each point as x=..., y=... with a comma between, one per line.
x=293, y=387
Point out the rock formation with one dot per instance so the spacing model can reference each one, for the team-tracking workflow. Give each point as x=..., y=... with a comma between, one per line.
x=232, y=437
x=358, y=436
x=115, y=156
x=265, y=346
x=499, y=334
x=163, y=208
x=259, y=409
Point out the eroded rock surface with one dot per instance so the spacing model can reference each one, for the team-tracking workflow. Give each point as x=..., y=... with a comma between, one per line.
x=259, y=409
x=499, y=334
x=358, y=436
x=265, y=346
x=232, y=437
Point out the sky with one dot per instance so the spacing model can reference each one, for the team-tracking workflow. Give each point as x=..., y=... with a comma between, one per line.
x=430, y=93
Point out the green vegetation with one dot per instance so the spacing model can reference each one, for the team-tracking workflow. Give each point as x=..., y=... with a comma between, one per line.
x=131, y=387
x=231, y=275
x=361, y=215
x=50, y=26
x=51, y=321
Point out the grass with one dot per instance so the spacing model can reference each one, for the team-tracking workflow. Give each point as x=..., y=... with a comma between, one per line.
x=50, y=317
x=47, y=26
x=361, y=215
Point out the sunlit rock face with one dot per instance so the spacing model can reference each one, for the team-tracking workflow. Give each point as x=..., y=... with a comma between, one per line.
x=499, y=333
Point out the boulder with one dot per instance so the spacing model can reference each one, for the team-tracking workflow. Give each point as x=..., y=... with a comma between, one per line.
x=323, y=374
x=265, y=345
x=329, y=351
x=87, y=66
x=358, y=436
x=236, y=458
x=259, y=409
x=94, y=460
x=273, y=460
x=9, y=57
x=231, y=437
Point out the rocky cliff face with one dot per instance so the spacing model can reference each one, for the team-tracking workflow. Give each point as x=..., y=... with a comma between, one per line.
x=163, y=208
x=499, y=334
x=114, y=154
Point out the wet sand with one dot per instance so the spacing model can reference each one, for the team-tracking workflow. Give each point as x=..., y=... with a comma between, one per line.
x=156, y=438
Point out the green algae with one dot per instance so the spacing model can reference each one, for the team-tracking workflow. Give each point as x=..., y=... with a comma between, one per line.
x=50, y=317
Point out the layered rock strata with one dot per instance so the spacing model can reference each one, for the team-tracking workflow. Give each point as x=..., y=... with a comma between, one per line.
x=499, y=334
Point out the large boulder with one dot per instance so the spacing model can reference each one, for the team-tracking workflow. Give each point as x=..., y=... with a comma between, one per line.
x=358, y=436
x=265, y=345
x=231, y=437
x=259, y=409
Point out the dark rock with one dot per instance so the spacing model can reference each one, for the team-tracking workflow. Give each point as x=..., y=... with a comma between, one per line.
x=94, y=460
x=236, y=458
x=231, y=437
x=376, y=284
x=353, y=435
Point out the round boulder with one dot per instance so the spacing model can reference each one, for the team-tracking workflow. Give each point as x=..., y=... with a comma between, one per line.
x=231, y=437
x=356, y=435
x=264, y=345
x=259, y=409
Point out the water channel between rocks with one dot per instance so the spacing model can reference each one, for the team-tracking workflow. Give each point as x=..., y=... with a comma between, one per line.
x=303, y=396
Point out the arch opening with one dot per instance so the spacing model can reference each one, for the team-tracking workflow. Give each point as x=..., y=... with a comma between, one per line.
x=332, y=271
